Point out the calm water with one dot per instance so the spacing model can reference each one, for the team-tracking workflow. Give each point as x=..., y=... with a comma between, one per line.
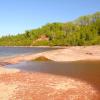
x=13, y=51
x=88, y=71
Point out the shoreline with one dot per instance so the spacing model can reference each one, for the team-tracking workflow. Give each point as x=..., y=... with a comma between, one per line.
x=19, y=84
x=74, y=53
x=37, y=46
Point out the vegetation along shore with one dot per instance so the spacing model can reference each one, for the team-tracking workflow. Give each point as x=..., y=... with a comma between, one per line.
x=83, y=31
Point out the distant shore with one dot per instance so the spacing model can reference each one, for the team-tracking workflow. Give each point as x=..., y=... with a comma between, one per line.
x=38, y=46
x=74, y=53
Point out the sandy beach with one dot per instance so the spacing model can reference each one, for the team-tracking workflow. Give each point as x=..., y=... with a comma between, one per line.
x=44, y=86
x=74, y=53
x=41, y=86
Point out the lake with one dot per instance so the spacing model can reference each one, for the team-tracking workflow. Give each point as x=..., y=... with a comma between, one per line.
x=14, y=51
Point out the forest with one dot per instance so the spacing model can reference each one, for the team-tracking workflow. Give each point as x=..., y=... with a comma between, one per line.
x=83, y=31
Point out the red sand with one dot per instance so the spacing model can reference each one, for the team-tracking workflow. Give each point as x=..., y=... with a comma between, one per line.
x=15, y=85
x=43, y=86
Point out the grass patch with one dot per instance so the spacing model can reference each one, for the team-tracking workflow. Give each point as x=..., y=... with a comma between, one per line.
x=41, y=58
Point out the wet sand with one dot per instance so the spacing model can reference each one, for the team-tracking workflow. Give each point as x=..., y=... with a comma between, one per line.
x=42, y=86
x=58, y=81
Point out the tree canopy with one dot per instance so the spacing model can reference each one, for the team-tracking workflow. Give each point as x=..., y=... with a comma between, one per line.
x=83, y=31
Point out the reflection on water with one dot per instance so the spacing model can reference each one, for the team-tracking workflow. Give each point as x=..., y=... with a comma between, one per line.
x=88, y=71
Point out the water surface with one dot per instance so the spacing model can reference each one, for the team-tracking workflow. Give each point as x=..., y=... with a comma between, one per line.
x=88, y=71
x=14, y=51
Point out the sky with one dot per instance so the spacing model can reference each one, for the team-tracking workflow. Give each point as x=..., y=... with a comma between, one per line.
x=16, y=16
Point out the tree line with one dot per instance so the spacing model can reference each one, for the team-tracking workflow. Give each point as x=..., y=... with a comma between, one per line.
x=83, y=31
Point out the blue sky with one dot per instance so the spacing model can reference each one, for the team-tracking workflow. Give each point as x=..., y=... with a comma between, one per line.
x=16, y=16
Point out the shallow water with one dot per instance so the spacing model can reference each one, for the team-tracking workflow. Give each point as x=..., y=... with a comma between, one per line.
x=14, y=51
x=88, y=71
